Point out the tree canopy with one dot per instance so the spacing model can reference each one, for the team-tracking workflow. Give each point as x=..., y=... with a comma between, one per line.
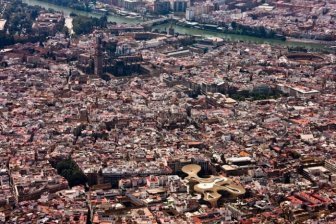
x=85, y=25
x=70, y=171
x=75, y=4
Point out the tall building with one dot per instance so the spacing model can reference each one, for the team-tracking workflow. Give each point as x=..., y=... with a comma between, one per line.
x=190, y=13
x=180, y=5
x=98, y=67
x=161, y=6
x=194, y=12
x=131, y=4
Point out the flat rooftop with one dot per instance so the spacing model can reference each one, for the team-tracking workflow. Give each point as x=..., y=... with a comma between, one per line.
x=2, y=24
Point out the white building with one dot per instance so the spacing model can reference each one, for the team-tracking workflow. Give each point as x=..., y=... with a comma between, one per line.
x=190, y=13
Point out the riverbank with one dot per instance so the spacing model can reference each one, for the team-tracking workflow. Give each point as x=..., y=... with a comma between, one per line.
x=236, y=37
x=251, y=32
x=310, y=41
x=182, y=29
x=70, y=4
x=68, y=11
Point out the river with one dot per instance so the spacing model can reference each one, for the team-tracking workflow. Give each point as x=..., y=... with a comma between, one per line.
x=67, y=11
x=178, y=29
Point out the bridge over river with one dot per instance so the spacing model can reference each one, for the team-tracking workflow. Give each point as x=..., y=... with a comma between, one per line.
x=154, y=22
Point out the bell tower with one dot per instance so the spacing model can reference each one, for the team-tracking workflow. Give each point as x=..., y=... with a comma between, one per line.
x=98, y=59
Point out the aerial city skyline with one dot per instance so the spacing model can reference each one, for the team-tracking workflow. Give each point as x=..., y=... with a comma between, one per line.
x=167, y=111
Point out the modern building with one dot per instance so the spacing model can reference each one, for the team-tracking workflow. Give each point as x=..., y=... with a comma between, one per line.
x=131, y=4
x=161, y=7
x=199, y=10
x=179, y=5
x=190, y=13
